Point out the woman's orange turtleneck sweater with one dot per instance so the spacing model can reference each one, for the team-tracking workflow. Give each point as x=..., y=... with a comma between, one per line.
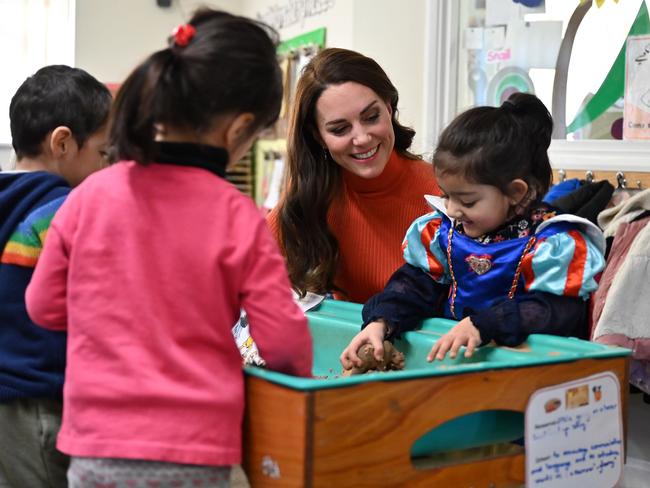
x=369, y=219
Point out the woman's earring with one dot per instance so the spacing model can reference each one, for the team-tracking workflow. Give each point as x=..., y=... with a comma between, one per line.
x=326, y=153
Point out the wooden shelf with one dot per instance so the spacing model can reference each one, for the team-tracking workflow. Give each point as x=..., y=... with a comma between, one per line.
x=629, y=179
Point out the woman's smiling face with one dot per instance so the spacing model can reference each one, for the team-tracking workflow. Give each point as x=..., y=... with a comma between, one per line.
x=355, y=125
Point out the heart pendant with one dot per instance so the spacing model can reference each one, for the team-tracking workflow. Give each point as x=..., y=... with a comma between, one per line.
x=480, y=264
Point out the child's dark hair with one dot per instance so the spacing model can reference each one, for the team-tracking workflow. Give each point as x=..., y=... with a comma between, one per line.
x=495, y=145
x=229, y=66
x=56, y=96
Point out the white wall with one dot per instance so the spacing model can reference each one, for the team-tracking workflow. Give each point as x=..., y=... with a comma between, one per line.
x=114, y=36
x=389, y=31
x=290, y=18
x=5, y=153
x=393, y=34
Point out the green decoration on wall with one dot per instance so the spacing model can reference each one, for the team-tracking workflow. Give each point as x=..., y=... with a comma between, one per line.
x=614, y=85
x=315, y=38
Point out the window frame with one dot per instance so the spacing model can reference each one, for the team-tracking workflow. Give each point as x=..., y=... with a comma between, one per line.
x=441, y=82
x=68, y=57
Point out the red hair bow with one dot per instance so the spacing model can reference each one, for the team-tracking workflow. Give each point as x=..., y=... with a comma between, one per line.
x=183, y=34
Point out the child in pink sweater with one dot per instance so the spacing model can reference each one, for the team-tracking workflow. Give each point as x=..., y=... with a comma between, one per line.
x=148, y=262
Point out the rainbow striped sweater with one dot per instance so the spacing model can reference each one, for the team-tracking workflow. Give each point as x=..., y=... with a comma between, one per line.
x=32, y=359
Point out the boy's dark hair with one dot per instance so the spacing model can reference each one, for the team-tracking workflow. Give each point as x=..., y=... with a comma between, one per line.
x=229, y=66
x=495, y=145
x=56, y=96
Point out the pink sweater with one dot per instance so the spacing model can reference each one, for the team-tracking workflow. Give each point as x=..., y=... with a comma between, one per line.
x=146, y=267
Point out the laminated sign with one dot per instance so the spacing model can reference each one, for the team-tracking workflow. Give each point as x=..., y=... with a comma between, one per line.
x=574, y=434
x=636, y=118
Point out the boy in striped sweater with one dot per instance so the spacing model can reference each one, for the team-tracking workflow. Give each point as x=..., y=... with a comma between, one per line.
x=58, y=127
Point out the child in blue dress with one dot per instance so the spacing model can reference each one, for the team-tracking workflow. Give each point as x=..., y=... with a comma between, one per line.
x=491, y=255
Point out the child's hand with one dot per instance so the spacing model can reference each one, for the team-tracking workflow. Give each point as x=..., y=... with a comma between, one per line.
x=372, y=334
x=462, y=334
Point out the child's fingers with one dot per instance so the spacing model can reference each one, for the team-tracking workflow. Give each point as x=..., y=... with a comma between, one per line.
x=345, y=360
x=352, y=359
x=444, y=347
x=455, y=346
x=349, y=355
x=439, y=349
x=378, y=345
x=471, y=347
x=434, y=351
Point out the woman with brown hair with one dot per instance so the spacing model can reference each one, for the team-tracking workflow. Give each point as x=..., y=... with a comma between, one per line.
x=353, y=186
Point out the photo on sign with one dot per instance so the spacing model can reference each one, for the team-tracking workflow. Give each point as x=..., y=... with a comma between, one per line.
x=598, y=393
x=577, y=397
x=552, y=405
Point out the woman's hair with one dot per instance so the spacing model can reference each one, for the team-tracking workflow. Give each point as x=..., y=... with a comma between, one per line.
x=495, y=145
x=229, y=66
x=314, y=179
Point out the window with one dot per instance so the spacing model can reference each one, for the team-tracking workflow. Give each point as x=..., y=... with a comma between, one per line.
x=33, y=33
x=507, y=46
x=482, y=50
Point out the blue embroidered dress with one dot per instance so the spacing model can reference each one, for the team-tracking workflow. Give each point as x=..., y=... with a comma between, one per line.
x=532, y=275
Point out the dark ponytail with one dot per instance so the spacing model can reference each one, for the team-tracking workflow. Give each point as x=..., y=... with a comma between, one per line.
x=495, y=145
x=229, y=66
x=133, y=117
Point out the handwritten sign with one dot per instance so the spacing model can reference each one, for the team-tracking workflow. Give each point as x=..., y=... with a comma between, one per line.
x=574, y=434
x=291, y=12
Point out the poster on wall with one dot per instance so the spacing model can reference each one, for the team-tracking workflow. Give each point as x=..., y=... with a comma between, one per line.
x=636, y=112
x=574, y=434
